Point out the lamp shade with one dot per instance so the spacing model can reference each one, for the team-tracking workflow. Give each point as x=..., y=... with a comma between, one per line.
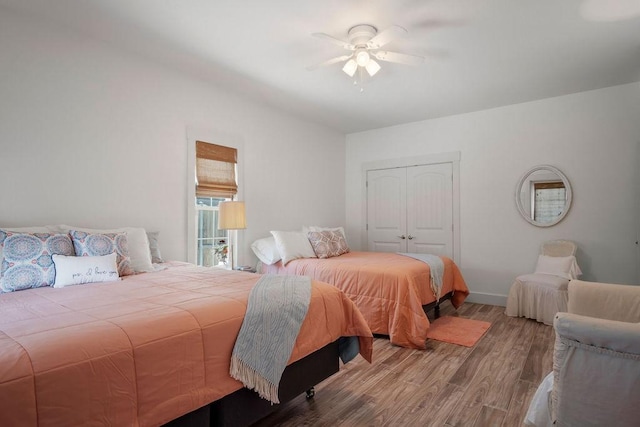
x=350, y=67
x=231, y=216
x=372, y=67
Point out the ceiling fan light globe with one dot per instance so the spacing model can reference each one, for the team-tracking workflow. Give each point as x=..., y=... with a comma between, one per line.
x=350, y=67
x=372, y=67
x=362, y=58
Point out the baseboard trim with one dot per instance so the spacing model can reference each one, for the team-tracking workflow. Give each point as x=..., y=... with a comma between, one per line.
x=487, y=298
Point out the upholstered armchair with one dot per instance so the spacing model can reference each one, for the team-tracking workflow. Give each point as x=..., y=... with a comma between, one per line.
x=541, y=295
x=596, y=362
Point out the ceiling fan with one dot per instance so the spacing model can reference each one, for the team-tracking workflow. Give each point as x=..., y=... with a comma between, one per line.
x=364, y=44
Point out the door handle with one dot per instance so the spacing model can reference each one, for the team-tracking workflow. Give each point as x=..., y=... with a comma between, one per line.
x=410, y=237
x=402, y=237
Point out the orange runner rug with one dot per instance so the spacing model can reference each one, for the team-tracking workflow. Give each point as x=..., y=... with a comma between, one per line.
x=457, y=330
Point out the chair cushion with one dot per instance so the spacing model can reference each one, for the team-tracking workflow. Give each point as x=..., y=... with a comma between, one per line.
x=546, y=280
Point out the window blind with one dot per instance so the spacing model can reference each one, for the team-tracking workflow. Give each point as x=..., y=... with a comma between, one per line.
x=215, y=170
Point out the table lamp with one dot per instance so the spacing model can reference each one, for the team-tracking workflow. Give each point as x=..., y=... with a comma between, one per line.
x=231, y=216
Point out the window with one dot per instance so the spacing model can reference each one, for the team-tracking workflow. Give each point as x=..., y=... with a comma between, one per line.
x=215, y=183
x=211, y=241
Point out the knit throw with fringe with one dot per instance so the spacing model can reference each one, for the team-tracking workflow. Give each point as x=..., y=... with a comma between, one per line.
x=275, y=312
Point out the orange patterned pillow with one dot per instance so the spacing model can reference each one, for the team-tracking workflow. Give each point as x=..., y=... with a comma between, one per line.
x=327, y=244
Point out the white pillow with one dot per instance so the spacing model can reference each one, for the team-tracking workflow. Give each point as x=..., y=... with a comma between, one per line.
x=154, y=248
x=306, y=230
x=565, y=267
x=77, y=270
x=266, y=250
x=137, y=240
x=292, y=245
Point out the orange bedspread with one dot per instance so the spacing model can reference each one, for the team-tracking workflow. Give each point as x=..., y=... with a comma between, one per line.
x=388, y=288
x=142, y=351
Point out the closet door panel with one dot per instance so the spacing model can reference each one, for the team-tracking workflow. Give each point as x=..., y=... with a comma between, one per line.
x=430, y=209
x=386, y=210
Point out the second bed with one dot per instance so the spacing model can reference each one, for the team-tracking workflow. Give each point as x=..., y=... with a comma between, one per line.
x=389, y=289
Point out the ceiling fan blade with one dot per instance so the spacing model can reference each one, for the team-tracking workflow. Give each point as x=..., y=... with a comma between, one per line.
x=341, y=43
x=400, y=58
x=329, y=62
x=385, y=36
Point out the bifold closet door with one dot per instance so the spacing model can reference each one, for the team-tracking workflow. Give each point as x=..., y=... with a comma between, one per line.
x=410, y=209
x=386, y=210
x=430, y=209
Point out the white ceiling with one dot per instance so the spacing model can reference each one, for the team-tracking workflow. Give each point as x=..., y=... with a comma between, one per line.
x=479, y=53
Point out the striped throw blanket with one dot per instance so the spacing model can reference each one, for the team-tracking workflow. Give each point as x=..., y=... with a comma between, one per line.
x=436, y=267
x=275, y=312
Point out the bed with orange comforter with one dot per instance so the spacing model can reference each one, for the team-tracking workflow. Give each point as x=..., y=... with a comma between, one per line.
x=141, y=351
x=389, y=289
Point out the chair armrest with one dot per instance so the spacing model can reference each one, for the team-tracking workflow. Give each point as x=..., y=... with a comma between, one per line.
x=601, y=333
x=605, y=300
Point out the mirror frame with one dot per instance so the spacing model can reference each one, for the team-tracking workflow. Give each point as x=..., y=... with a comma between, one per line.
x=526, y=215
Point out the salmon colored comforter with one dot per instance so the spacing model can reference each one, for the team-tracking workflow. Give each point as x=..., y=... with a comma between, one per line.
x=142, y=351
x=388, y=288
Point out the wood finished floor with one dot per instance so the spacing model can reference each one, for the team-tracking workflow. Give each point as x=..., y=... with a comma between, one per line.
x=490, y=384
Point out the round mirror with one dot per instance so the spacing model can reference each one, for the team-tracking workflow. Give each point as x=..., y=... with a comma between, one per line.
x=543, y=196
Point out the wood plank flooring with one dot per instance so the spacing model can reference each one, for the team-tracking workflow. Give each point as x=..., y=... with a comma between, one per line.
x=490, y=384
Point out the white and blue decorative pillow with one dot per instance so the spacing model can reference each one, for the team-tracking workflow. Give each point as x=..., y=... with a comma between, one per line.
x=138, y=243
x=79, y=270
x=100, y=244
x=26, y=259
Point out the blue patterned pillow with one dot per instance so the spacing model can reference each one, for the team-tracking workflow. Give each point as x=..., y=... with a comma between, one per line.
x=100, y=244
x=26, y=259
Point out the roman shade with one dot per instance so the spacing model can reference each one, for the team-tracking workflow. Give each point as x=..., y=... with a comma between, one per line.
x=215, y=170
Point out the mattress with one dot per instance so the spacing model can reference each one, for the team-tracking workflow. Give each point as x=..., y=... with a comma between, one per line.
x=141, y=351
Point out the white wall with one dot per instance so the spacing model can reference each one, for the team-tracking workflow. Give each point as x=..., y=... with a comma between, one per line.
x=94, y=136
x=593, y=137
